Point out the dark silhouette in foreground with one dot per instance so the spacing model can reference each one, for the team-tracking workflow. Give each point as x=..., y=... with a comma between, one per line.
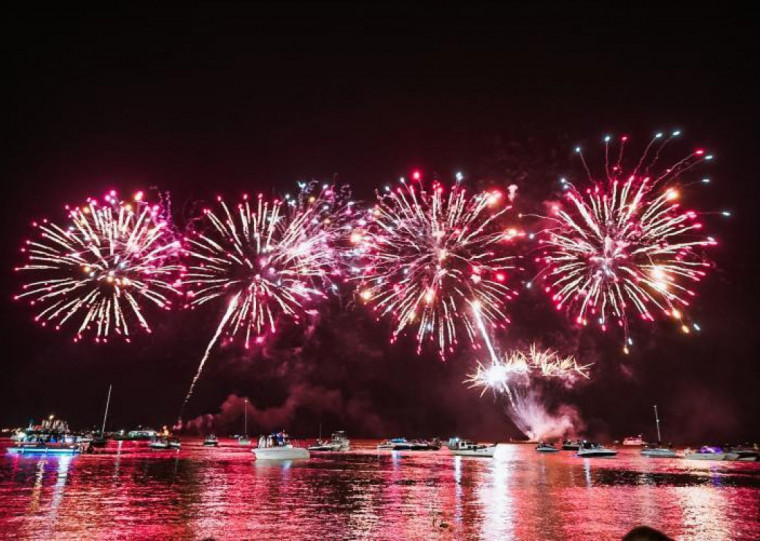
x=645, y=533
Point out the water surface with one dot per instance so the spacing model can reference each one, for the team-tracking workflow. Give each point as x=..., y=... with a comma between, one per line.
x=224, y=493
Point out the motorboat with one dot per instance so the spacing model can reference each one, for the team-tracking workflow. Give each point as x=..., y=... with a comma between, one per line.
x=338, y=442
x=395, y=444
x=658, y=452
x=634, y=441
x=746, y=454
x=710, y=453
x=546, y=448
x=571, y=445
x=469, y=448
x=278, y=447
x=281, y=452
x=165, y=443
x=210, y=441
x=52, y=437
x=595, y=450
x=426, y=445
x=45, y=449
x=141, y=434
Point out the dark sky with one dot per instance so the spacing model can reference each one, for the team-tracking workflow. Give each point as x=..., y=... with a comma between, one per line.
x=217, y=99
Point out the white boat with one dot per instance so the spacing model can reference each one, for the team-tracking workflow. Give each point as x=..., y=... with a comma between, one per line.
x=658, y=451
x=634, y=440
x=338, y=442
x=281, y=452
x=546, y=448
x=165, y=443
x=45, y=449
x=142, y=434
x=710, y=453
x=210, y=441
x=746, y=454
x=278, y=447
x=468, y=448
x=595, y=450
x=395, y=444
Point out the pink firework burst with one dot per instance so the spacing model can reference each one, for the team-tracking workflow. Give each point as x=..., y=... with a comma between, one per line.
x=431, y=255
x=99, y=268
x=625, y=246
x=266, y=260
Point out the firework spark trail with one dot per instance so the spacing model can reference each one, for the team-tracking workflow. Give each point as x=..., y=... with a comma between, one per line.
x=227, y=313
x=625, y=246
x=271, y=259
x=100, y=266
x=427, y=255
x=519, y=376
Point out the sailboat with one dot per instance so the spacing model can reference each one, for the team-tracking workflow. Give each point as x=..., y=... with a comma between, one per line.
x=101, y=440
x=244, y=439
x=658, y=451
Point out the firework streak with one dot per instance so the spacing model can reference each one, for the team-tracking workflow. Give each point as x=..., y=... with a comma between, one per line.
x=101, y=266
x=625, y=246
x=427, y=255
x=266, y=260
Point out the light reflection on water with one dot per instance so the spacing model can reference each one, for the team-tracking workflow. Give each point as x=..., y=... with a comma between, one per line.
x=224, y=493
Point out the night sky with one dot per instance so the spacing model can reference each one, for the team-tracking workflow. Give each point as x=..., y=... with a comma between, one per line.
x=214, y=100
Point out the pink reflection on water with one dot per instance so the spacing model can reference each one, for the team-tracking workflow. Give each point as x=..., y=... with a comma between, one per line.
x=133, y=492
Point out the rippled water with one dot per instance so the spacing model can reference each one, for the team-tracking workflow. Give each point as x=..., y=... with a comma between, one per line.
x=224, y=493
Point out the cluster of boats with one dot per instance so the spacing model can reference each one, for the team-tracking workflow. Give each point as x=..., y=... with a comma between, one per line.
x=53, y=437
x=589, y=450
x=583, y=449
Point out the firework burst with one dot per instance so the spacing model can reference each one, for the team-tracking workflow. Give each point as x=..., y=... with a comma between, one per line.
x=625, y=246
x=519, y=368
x=266, y=260
x=429, y=254
x=98, y=269
x=521, y=376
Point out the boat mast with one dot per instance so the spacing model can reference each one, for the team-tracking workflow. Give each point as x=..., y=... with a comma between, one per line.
x=105, y=415
x=657, y=421
x=245, y=417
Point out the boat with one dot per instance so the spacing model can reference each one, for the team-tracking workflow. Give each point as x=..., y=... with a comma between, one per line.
x=141, y=434
x=657, y=451
x=395, y=444
x=278, y=447
x=746, y=454
x=244, y=439
x=595, y=450
x=710, y=453
x=634, y=441
x=571, y=445
x=546, y=448
x=338, y=442
x=469, y=448
x=210, y=441
x=101, y=440
x=52, y=437
x=45, y=449
x=426, y=445
x=165, y=443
